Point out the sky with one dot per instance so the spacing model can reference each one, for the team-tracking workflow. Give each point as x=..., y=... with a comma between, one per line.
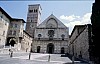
x=70, y=13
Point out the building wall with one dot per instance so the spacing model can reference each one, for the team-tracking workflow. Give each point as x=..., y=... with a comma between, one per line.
x=16, y=26
x=43, y=45
x=57, y=33
x=4, y=24
x=81, y=44
x=15, y=33
x=26, y=42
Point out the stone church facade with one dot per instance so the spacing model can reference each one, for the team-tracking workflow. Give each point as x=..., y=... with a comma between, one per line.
x=51, y=36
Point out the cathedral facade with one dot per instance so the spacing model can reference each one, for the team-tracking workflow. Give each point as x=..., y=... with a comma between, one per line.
x=51, y=36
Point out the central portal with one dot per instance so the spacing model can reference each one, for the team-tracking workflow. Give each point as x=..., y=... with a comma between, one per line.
x=50, y=48
x=12, y=43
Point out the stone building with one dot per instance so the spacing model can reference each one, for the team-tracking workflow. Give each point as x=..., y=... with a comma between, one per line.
x=4, y=25
x=12, y=33
x=80, y=42
x=33, y=18
x=15, y=33
x=26, y=42
x=51, y=36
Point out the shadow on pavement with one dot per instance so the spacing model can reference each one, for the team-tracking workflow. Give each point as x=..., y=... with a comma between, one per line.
x=75, y=59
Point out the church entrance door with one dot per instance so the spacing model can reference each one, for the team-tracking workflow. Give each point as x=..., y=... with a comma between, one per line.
x=50, y=48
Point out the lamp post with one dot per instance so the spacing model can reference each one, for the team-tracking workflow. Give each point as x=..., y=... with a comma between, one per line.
x=29, y=55
x=49, y=58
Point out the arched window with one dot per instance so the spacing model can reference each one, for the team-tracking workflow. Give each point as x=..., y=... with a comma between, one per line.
x=30, y=11
x=35, y=10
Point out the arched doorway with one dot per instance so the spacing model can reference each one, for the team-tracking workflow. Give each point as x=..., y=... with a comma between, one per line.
x=12, y=42
x=50, y=48
x=38, y=49
x=62, y=50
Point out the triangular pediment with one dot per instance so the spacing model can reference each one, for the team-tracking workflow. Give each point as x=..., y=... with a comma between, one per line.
x=51, y=20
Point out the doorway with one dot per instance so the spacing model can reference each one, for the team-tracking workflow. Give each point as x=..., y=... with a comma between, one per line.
x=38, y=49
x=12, y=43
x=50, y=48
x=62, y=50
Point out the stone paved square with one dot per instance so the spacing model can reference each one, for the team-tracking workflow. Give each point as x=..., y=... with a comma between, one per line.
x=36, y=58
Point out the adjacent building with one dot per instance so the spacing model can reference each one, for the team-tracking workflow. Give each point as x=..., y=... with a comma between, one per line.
x=12, y=33
x=80, y=42
x=26, y=42
x=4, y=25
x=15, y=33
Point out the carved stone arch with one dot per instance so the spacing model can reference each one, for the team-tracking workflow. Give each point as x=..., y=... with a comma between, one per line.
x=51, y=23
x=9, y=40
x=12, y=39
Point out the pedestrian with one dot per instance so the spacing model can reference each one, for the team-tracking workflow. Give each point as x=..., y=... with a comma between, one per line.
x=9, y=51
x=11, y=55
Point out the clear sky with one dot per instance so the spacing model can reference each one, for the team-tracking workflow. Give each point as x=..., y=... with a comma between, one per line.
x=71, y=13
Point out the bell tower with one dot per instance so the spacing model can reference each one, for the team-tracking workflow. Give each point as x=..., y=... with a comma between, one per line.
x=33, y=18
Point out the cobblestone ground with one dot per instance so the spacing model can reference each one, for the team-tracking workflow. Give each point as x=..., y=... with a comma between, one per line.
x=36, y=58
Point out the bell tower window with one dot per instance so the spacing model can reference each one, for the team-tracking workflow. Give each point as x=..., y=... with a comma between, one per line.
x=35, y=10
x=30, y=11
